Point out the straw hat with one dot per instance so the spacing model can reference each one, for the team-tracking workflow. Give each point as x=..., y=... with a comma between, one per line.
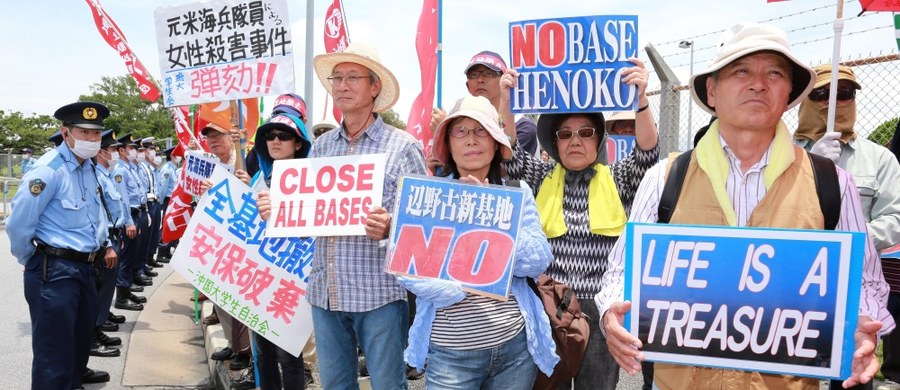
x=481, y=110
x=365, y=55
x=747, y=38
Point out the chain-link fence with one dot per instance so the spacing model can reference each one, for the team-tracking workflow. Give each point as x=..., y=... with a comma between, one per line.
x=679, y=117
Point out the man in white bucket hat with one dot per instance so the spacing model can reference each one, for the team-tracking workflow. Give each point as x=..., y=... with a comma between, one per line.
x=353, y=301
x=745, y=171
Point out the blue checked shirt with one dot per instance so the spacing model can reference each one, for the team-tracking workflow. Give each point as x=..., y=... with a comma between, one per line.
x=348, y=271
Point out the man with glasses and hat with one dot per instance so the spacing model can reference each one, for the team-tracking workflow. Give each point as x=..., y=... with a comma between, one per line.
x=875, y=171
x=57, y=231
x=344, y=315
x=744, y=169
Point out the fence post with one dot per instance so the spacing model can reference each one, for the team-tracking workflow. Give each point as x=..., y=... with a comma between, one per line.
x=669, y=103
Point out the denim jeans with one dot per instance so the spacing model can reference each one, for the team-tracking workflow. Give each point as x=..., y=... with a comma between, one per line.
x=269, y=359
x=380, y=332
x=506, y=366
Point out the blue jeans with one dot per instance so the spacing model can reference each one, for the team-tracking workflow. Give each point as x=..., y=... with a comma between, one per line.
x=277, y=369
x=380, y=332
x=506, y=366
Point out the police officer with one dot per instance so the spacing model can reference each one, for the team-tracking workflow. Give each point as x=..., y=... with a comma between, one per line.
x=145, y=172
x=57, y=230
x=27, y=160
x=124, y=177
x=167, y=180
x=154, y=204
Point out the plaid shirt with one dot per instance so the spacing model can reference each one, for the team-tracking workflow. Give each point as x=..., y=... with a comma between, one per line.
x=348, y=271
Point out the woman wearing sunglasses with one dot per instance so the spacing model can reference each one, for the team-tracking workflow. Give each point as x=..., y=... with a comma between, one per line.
x=471, y=341
x=583, y=202
x=282, y=137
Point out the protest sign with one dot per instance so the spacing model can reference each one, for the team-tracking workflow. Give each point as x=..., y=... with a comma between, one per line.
x=326, y=196
x=224, y=50
x=619, y=146
x=260, y=281
x=198, y=166
x=770, y=300
x=573, y=64
x=449, y=230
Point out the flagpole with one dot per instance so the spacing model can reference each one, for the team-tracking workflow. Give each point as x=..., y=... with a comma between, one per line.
x=835, y=61
x=440, y=49
x=308, y=79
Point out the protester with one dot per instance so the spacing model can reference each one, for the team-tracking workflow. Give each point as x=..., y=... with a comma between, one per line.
x=56, y=232
x=482, y=79
x=875, y=171
x=462, y=333
x=621, y=123
x=583, y=202
x=27, y=160
x=322, y=127
x=345, y=315
x=280, y=138
x=125, y=176
x=753, y=80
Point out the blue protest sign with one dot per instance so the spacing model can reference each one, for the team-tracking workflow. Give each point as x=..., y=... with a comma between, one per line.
x=619, y=146
x=449, y=230
x=769, y=300
x=573, y=64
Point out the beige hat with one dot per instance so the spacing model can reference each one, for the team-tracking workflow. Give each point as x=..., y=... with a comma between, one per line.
x=823, y=75
x=324, y=125
x=748, y=38
x=481, y=110
x=365, y=55
x=619, y=116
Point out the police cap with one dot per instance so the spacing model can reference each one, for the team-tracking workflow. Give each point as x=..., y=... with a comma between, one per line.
x=56, y=138
x=107, y=139
x=86, y=115
x=125, y=140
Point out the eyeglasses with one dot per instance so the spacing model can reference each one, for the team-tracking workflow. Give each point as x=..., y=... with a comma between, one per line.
x=488, y=74
x=351, y=80
x=584, y=132
x=270, y=136
x=821, y=94
x=460, y=132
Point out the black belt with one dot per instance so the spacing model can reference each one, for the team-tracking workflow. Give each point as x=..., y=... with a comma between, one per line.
x=134, y=210
x=68, y=254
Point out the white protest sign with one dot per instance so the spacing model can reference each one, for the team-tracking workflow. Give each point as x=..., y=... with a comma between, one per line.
x=326, y=196
x=198, y=166
x=260, y=281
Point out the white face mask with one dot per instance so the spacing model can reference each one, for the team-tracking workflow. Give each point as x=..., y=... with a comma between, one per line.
x=176, y=159
x=113, y=156
x=142, y=157
x=86, y=149
x=132, y=154
x=157, y=160
x=151, y=154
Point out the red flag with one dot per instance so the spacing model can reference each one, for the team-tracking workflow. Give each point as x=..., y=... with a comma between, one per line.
x=182, y=128
x=337, y=38
x=178, y=213
x=116, y=39
x=426, y=47
x=880, y=5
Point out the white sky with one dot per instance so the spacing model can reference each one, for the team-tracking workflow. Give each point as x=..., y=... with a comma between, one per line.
x=53, y=52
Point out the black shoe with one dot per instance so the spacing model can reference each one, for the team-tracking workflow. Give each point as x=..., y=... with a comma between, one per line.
x=150, y=272
x=116, y=319
x=136, y=289
x=102, y=351
x=222, y=354
x=363, y=370
x=245, y=382
x=143, y=281
x=109, y=327
x=163, y=259
x=125, y=305
x=239, y=362
x=307, y=378
x=92, y=376
x=413, y=374
x=137, y=298
x=107, y=341
x=153, y=263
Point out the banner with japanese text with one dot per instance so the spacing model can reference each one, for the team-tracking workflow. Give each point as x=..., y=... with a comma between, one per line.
x=325, y=196
x=260, y=281
x=224, y=50
x=770, y=300
x=198, y=166
x=573, y=64
x=446, y=229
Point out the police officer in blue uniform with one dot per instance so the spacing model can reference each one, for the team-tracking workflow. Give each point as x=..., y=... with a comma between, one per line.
x=124, y=176
x=57, y=231
x=154, y=204
x=167, y=180
x=144, y=173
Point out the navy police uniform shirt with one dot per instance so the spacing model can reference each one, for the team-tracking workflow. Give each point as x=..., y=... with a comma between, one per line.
x=57, y=203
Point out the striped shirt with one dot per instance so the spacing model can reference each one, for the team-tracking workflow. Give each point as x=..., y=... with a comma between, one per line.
x=477, y=322
x=348, y=271
x=746, y=190
x=579, y=256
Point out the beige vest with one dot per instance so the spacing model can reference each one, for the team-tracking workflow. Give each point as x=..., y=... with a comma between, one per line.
x=791, y=202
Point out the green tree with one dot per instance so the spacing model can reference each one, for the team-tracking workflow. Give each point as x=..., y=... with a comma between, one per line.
x=130, y=113
x=883, y=133
x=18, y=131
x=392, y=118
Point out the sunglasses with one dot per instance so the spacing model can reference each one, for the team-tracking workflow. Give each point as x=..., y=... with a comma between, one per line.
x=584, y=132
x=281, y=136
x=821, y=94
